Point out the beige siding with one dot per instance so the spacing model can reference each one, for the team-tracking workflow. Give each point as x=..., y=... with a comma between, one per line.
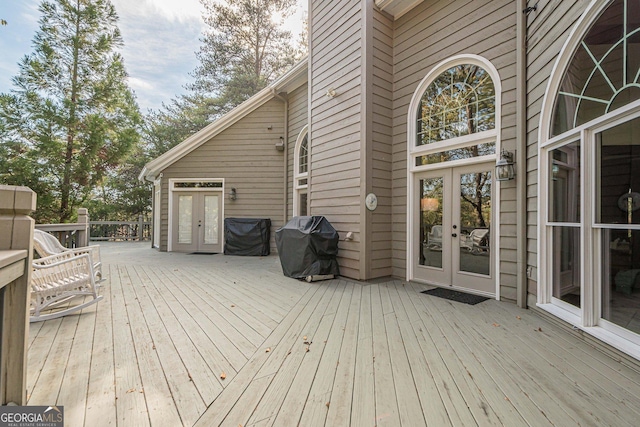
x=245, y=156
x=431, y=33
x=381, y=97
x=548, y=30
x=298, y=112
x=335, y=129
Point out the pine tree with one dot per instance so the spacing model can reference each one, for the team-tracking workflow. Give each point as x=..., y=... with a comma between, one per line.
x=71, y=117
x=244, y=49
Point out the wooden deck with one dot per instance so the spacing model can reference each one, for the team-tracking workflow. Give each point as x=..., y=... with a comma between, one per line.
x=211, y=340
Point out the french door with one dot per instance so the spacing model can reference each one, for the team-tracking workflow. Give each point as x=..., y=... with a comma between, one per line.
x=197, y=221
x=452, y=238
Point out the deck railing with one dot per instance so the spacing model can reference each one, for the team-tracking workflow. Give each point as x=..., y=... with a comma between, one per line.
x=71, y=235
x=75, y=235
x=16, y=249
x=120, y=230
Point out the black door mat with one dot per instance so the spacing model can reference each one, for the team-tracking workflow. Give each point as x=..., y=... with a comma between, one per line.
x=455, y=296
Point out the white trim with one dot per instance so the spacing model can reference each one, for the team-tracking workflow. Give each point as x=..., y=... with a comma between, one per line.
x=294, y=78
x=157, y=201
x=413, y=151
x=172, y=189
x=296, y=167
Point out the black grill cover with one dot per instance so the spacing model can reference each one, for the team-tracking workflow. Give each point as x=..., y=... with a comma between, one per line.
x=247, y=236
x=308, y=246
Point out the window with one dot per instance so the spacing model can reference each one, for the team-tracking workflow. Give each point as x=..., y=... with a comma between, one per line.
x=604, y=73
x=301, y=174
x=588, y=194
x=458, y=102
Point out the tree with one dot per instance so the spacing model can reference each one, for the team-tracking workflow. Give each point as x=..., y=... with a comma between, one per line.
x=243, y=50
x=71, y=118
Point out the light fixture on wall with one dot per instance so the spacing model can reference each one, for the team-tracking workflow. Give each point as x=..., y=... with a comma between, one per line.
x=505, y=171
x=280, y=144
x=331, y=93
x=232, y=194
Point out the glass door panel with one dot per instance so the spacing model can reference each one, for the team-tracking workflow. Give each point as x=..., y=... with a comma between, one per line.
x=211, y=212
x=431, y=198
x=185, y=219
x=475, y=223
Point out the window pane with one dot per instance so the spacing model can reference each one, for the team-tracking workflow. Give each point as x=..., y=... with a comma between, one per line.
x=617, y=163
x=431, y=221
x=460, y=101
x=211, y=213
x=185, y=216
x=475, y=222
x=304, y=156
x=457, y=154
x=302, y=206
x=621, y=278
x=566, y=264
x=564, y=185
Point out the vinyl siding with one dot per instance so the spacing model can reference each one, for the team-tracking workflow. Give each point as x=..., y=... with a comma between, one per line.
x=433, y=32
x=335, y=128
x=245, y=156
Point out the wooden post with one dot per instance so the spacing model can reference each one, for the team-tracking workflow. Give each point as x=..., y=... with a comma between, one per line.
x=16, y=241
x=140, y=228
x=83, y=235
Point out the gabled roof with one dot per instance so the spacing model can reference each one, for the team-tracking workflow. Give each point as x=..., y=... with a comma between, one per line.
x=293, y=79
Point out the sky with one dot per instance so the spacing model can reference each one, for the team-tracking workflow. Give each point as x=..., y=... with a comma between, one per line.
x=160, y=41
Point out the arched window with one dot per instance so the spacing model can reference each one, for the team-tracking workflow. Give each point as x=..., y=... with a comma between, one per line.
x=604, y=72
x=589, y=190
x=460, y=101
x=301, y=174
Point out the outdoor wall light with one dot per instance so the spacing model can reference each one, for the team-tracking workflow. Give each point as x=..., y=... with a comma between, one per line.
x=280, y=144
x=331, y=93
x=505, y=171
x=232, y=194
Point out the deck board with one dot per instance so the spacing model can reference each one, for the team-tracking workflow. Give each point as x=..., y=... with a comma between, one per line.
x=152, y=352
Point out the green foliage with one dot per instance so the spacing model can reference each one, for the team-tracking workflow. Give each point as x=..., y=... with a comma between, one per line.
x=243, y=49
x=71, y=118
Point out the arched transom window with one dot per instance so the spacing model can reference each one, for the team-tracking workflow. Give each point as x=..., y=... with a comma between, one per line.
x=604, y=73
x=456, y=114
x=458, y=102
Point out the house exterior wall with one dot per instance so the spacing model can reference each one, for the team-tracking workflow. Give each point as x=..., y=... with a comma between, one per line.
x=431, y=33
x=380, y=134
x=245, y=156
x=548, y=29
x=298, y=116
x=335, y=124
